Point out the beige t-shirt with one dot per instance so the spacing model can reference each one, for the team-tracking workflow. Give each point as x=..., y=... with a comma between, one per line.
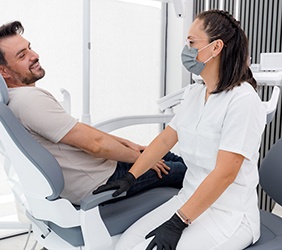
x=46, y=120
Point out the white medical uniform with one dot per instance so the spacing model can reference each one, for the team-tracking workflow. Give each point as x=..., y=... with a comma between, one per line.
x=232, y=121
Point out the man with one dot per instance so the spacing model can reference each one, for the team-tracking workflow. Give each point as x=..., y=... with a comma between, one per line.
x=89, y=158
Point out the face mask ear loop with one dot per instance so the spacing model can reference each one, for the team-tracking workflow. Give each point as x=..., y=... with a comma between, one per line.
x=206, y=46
x=208, y=59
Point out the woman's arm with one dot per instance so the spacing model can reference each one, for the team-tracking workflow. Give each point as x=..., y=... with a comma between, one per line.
x=227, y=167
x=155, y=151
x=148, y=159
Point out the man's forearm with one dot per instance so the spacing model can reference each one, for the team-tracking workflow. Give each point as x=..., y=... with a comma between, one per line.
x=111, y=149
x=100, y=144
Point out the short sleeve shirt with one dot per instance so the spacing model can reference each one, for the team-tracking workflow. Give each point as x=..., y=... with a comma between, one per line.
x=46, y=120
x=232, y=121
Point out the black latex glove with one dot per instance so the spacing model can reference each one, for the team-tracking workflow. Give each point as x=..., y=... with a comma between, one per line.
x=122, y=185
x=167, y=235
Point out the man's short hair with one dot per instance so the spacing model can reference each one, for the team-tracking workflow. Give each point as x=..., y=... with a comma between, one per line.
x=7, y=30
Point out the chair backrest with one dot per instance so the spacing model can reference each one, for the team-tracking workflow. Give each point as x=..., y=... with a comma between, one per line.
x=37, y=170
x=270, y=172
x=4, y=95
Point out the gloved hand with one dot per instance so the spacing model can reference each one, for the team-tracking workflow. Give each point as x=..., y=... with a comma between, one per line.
x=167, y=235
x=122, y=185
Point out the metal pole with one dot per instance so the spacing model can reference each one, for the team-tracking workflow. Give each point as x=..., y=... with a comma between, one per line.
x=237, y=7
x=221, y=4
x=86, y=63
x=207, y=5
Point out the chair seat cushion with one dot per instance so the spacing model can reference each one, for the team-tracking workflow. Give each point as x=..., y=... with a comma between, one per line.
x=119, y=215
x=271, y=232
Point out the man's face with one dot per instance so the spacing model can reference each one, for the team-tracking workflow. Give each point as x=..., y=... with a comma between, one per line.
x=23, y=67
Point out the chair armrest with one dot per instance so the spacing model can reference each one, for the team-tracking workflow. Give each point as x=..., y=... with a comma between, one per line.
x=171, y=100
x=124, y=121
x=165, y=104
x=271, y=105
x=269, y=78
x=66, y=102
x=92, y=201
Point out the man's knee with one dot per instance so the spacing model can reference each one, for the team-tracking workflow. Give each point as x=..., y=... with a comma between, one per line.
x=176, y=167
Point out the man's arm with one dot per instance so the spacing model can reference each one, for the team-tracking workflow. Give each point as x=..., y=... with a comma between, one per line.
x=99, y=144
x=128, y=143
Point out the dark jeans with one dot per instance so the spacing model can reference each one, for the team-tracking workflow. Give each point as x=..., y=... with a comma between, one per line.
x=150, y=179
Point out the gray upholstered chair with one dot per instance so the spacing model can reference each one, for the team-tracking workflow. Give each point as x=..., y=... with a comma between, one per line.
x=38, y=183
x=270, y=173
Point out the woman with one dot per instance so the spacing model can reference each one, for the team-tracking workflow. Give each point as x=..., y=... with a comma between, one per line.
x=218, y=128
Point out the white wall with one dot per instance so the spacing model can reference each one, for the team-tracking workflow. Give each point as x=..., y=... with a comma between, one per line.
x=126, y=41
x=54, y=28
x=177, y=75
x=125, y=54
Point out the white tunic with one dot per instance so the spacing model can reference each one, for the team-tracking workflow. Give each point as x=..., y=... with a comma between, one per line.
x=232, y=121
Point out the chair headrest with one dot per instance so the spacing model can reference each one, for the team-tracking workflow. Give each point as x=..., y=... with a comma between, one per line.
x=4, y=94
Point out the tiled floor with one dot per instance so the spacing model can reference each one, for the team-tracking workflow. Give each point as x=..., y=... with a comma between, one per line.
x=18, y=243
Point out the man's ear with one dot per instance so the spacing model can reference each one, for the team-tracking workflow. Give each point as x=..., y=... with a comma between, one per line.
x=4, y=72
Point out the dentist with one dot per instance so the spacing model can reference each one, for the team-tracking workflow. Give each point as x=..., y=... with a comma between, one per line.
x=219, y=130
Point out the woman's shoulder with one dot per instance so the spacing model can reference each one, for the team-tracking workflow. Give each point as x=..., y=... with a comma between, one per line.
x=246, y=95
x=244, y=90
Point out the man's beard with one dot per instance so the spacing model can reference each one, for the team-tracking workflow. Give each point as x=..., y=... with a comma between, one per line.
x=30, y=78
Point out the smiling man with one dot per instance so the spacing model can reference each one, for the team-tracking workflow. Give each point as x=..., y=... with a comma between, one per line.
x=88, y=157
x=17, y=51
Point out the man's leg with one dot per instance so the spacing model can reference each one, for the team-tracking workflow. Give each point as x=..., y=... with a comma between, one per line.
x=173, y=157
x=150, y=179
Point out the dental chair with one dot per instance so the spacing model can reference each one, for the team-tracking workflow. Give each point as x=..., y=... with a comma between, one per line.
x=38, y=182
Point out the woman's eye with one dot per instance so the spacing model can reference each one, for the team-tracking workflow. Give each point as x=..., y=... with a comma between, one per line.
x=189, y=42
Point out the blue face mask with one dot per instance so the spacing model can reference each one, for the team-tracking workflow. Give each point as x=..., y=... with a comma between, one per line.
x=190, y=62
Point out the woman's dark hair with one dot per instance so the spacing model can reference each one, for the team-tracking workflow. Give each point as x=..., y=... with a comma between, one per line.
x=7, y=30
x=234, y=59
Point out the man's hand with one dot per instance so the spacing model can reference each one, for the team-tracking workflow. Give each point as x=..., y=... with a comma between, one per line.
x=134, y=146
x=161, y=168
x=129, y=144
x=167, y=235
x=122, y=185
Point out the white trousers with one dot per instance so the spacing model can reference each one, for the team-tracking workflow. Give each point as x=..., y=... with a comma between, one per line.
x=195, y=237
